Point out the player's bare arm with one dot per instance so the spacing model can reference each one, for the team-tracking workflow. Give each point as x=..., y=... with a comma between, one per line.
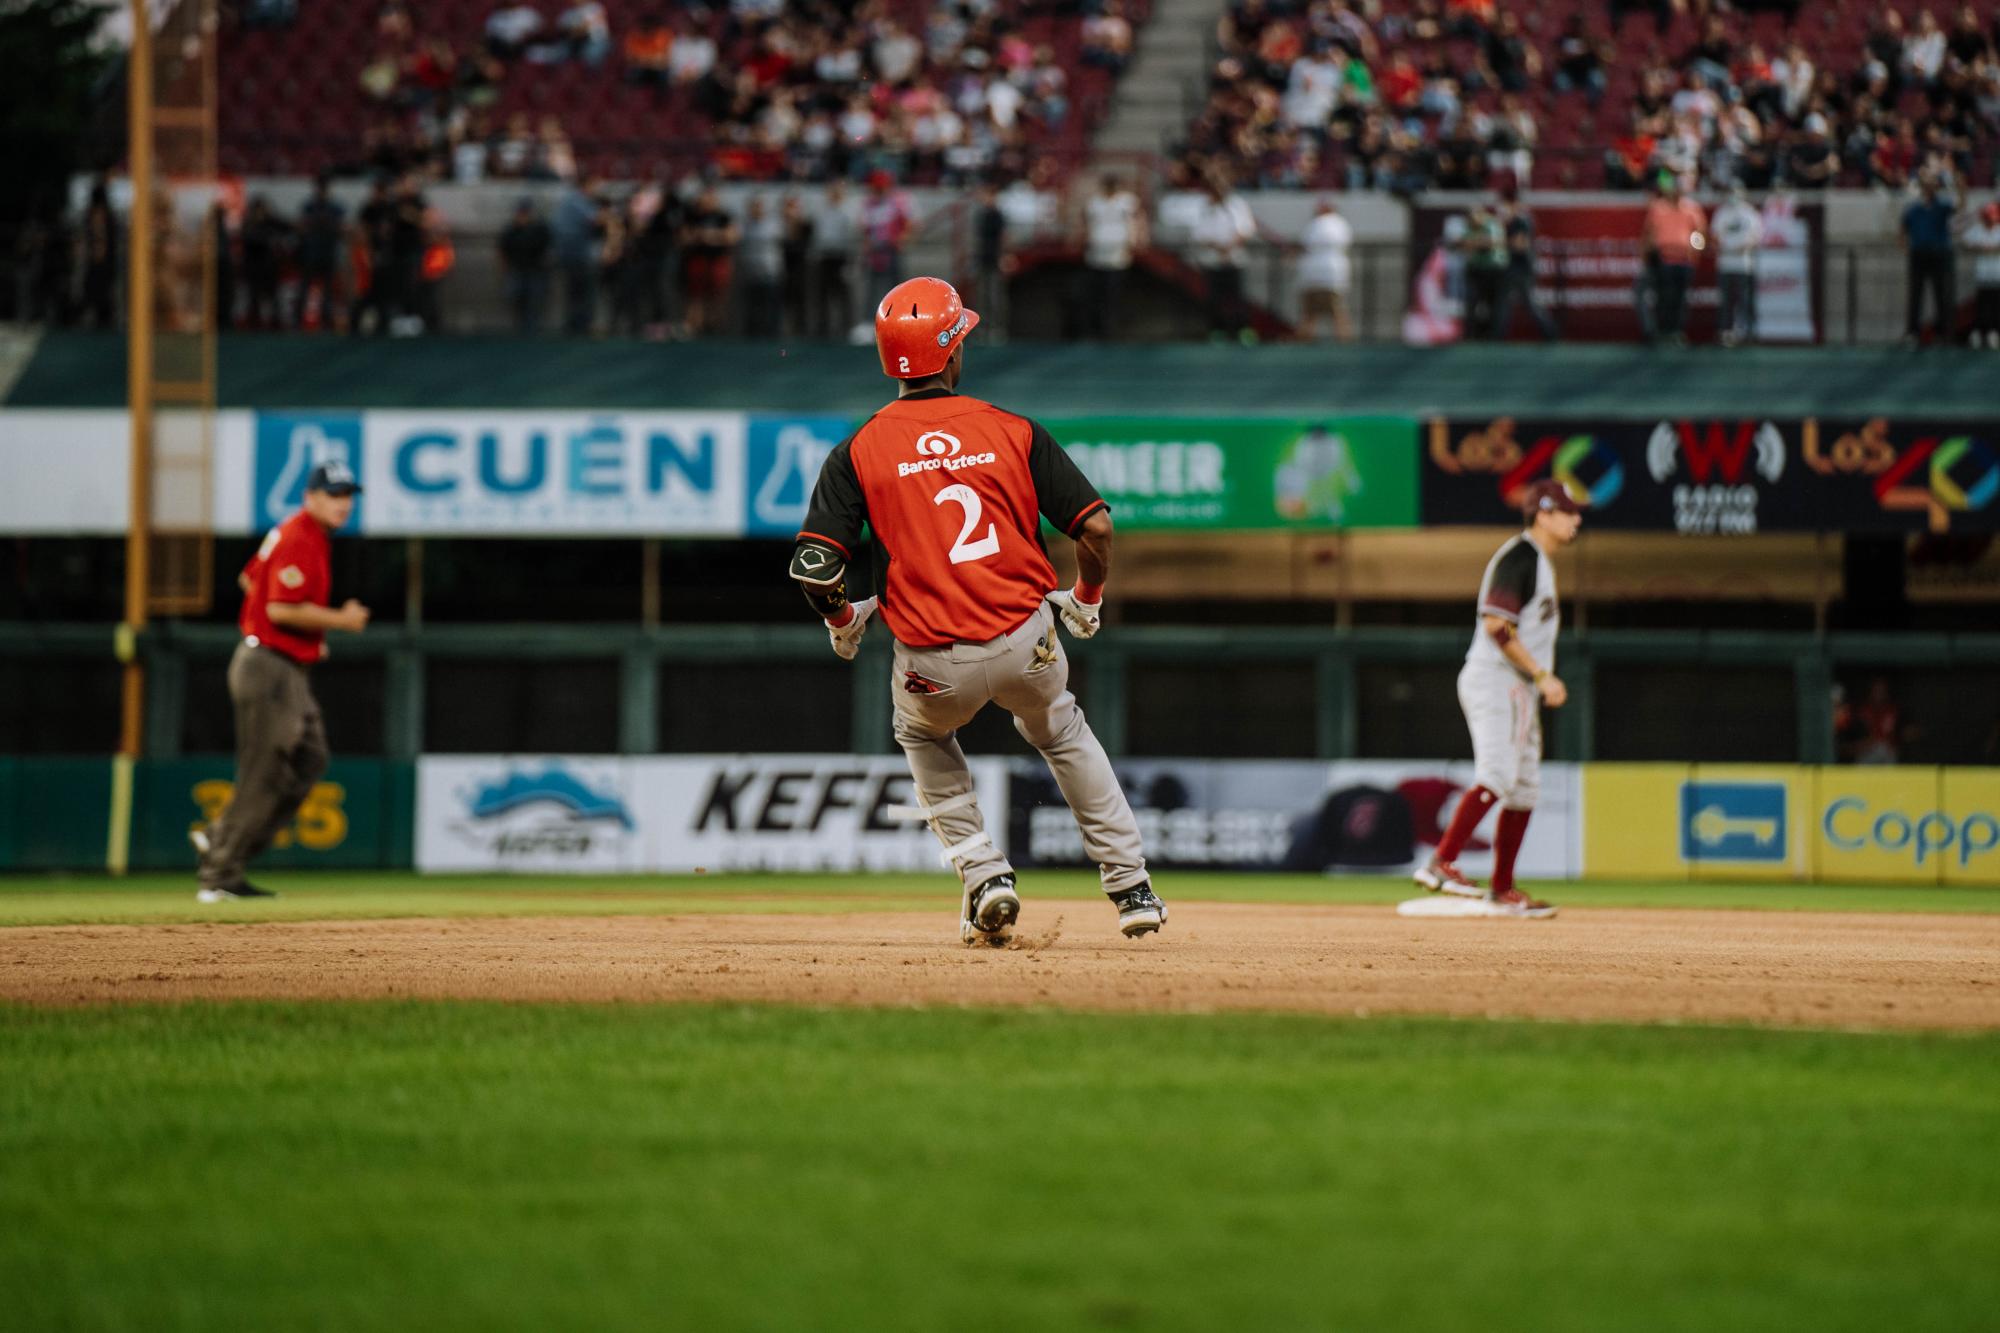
x=1501, y=630
x=1093, y=549
x=1082, y=607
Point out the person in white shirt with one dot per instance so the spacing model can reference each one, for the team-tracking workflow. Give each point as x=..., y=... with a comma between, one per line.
x=1311, y=90
x=836, y=239
x=1738, y=230
x=1509, y=675
x=588, y=30
x=1923, y=50
x=1114, y=228
x=895, y=53
x=692, y=55
x=510, y=28
x=1222, y=231
x=1982, y=241
x=1794, y=74
x=1326, y=273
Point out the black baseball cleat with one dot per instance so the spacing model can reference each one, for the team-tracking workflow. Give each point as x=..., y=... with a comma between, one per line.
x=245, y=890
x=1140, y=911
x=989, y=911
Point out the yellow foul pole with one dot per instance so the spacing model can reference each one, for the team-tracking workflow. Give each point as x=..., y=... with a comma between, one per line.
x=139, y=293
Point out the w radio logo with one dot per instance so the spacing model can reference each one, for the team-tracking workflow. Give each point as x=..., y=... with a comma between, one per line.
x=1718, y=455
x=937, y=444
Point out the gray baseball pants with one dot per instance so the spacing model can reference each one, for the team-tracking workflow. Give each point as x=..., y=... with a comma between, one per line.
x=280, y=753
x=1504, y=714
x=938, y=690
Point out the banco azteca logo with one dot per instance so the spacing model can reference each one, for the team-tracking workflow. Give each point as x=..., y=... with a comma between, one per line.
x=937, y=444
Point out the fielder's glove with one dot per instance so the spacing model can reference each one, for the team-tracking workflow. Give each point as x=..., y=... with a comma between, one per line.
x=1083, y=619
x=847, y=638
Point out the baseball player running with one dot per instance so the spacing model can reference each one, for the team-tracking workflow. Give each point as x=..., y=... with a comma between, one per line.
x=280, y=741
x=954, y=490
x=1509, y=674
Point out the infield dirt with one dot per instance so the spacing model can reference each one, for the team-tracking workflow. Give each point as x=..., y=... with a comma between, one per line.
x=1780, y=968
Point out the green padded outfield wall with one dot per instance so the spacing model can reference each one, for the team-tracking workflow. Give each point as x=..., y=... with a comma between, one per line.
x=55, y=814
x=357, y=816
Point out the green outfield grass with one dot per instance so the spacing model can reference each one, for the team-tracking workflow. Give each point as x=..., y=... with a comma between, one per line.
x=319, y=896
x=456, y=1166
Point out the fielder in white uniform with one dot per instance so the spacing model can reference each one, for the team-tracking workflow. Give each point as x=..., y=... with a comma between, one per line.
x=1509, y=674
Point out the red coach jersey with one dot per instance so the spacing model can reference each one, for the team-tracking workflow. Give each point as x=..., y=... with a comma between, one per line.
x=295, y=564
x=954, y=490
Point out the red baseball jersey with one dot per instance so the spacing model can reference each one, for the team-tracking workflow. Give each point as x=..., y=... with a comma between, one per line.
x=294, y=564
x=955, y=490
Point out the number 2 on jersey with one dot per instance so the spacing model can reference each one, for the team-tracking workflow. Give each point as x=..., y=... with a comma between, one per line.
x=964, y=549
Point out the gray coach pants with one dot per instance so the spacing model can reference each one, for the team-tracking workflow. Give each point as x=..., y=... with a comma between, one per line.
x=280, y=753
x=938, y=690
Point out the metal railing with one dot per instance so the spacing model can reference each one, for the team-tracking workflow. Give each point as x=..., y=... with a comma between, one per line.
x=1332, y=712
x=1863, y=293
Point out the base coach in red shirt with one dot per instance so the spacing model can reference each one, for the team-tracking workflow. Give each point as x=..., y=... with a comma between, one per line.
x=954, y=491
x=280, y=741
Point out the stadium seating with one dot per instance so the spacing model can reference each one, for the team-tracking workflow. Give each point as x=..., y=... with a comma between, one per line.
x=291, y=100
x=1573, y=133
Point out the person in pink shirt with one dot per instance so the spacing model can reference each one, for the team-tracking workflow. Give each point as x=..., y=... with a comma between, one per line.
x=1674, y=233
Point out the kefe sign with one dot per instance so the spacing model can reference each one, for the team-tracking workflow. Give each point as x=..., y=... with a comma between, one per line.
x=560, y=813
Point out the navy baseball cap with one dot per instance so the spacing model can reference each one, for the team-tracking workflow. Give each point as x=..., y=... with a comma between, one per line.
x=334, y=477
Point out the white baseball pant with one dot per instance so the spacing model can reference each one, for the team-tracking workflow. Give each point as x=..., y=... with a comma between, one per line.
x=1504, y=713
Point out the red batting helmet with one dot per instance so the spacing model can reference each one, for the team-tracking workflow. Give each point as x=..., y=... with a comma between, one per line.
x=917, y=325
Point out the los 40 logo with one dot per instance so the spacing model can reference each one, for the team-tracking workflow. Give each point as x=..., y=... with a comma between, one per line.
x=1591, y=460
x=320, y=826
x=1935, y=474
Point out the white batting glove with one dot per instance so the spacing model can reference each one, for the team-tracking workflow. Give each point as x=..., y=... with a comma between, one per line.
x=1082, y=619
x=847, y=638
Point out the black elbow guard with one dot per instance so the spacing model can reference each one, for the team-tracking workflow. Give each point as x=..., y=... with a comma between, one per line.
x=821, y=573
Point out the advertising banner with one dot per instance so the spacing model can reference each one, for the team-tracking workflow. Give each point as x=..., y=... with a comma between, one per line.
x=357, y=815
x=1707, y=821
x=1591, y=275
x=1301, y=816
x=1718, y=476
x=1247, y=472
x=1907, y=825
x=1159, y=473
x=1911, y=476
x=558, y=814
x=784, y=456
x=590, y=474
x=1864, y=824
x=1689, y=475
x=69, y=471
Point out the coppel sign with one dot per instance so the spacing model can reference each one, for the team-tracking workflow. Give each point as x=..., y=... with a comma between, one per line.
x=554, y=473
x=1926, y=831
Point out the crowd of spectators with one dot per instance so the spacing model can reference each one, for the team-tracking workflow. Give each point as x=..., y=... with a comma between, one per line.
x=1458, y=94
x=793, y=90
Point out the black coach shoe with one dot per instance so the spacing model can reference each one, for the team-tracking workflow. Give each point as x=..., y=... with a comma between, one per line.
x=245, y=890
x=1140, y=911
x=989, y=911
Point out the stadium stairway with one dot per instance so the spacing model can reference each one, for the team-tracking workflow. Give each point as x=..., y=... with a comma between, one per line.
x=1150, y=104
